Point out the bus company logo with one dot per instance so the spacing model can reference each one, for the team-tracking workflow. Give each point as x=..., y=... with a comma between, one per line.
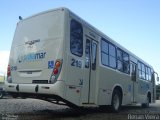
x=32, y=42
x=32, y=57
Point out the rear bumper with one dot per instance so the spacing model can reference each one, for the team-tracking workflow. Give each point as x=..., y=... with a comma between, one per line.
x=48, y=92
x=45, y=89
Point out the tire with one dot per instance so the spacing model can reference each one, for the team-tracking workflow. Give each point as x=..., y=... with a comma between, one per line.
x=116, y=101
x=145, y=105
x=14, y=95
x=1, y=94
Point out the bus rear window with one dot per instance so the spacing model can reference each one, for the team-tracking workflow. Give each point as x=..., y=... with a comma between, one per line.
x=76, y=38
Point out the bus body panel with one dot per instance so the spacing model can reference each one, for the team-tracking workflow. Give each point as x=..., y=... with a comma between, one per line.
x=37, y=44
x=109, y=79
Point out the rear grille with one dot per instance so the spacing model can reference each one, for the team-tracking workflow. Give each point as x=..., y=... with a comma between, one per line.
x=40, y=81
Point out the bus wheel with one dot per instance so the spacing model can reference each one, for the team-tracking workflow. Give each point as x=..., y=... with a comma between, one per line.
x=14, y=96
x=116, y=101
x=146, y=105
x=1, y=95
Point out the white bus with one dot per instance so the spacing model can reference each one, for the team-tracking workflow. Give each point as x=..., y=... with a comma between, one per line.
x=58, y=57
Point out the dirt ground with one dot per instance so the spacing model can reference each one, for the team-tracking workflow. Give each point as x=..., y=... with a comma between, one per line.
x=32, y=109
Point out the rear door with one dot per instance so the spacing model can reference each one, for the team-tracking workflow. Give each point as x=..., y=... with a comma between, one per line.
x=134, y=79
x=89, y=86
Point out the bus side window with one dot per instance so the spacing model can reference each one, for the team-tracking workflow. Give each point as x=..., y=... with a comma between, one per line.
x=112, y=56
x=143, y=72
x=139, y=70
x=76, y=38
x=147, y=73
x=133, y=71
x=126, y=64
x=87, y=51
x=119, y=60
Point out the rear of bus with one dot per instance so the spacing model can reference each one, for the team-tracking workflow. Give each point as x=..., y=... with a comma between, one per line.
x=36, y=55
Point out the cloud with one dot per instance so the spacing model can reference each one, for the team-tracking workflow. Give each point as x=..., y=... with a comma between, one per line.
x=4, y=57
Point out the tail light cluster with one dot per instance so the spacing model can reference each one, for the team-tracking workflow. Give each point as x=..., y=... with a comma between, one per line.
x=9, y=79
x=56, y=71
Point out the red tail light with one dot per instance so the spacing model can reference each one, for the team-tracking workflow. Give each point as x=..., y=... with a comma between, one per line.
x=9, y=78
x=8, y=71
x=55, y=71
x=57, y=67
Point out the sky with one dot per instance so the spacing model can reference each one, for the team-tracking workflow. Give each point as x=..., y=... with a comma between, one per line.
x=135, y=24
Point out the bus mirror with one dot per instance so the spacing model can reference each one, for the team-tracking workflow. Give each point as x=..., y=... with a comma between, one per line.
x=157, y=76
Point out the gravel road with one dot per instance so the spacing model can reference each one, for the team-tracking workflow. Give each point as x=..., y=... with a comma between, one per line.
x=32, y=109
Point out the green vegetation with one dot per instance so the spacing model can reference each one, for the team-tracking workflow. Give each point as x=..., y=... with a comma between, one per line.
x=1, y=79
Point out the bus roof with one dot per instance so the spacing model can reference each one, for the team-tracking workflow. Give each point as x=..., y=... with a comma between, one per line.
x=95, y=30
x=44, y=12
x=108, y=38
